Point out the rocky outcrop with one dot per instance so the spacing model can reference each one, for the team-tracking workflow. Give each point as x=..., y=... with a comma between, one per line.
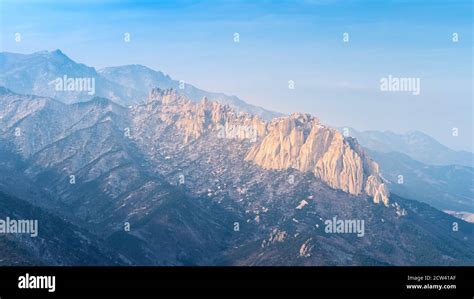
x=298, y=141
x=276, y=236
x=306, y=248
x=194, y=119
x=301, y=142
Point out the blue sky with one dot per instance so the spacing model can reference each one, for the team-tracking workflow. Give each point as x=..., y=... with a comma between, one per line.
x=280, y=41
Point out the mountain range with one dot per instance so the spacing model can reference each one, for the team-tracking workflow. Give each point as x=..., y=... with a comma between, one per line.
x=172, y=180
x=128, y=85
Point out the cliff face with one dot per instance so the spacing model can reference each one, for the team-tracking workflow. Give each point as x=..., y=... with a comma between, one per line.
x=297, y=141
x=300, y=141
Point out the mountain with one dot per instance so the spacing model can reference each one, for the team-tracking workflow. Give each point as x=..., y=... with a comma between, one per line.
x=144, y=79
x=53, y=74
x=195, y=185
x=37, y=74
x=113, y=186
x=302, y=142
x=415, y=144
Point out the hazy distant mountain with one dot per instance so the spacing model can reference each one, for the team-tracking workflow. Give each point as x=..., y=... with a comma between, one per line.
x=415, y=144
x=448, y=186
x=144, y=79
x=444, y=187
x=200, y=184
x=38, y=73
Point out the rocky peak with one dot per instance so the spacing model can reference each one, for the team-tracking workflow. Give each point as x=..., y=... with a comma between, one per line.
x=195, y=119
x=301, y=142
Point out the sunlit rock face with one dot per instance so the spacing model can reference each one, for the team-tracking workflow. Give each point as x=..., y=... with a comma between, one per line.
x=195, y=119
x=301, y=142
